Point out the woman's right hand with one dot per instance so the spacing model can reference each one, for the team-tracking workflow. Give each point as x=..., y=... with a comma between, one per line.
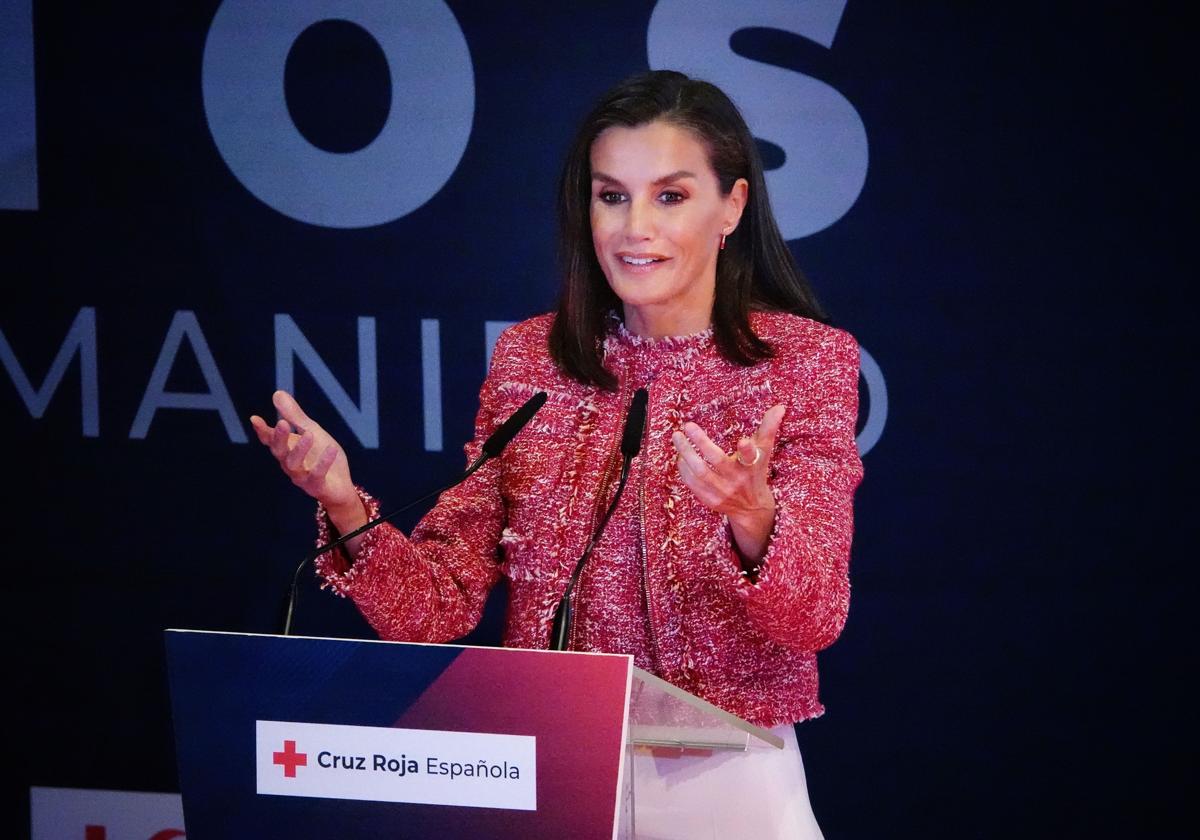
x=313, y=460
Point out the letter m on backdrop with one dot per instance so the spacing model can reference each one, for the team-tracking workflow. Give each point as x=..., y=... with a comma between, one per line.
x=81, y=339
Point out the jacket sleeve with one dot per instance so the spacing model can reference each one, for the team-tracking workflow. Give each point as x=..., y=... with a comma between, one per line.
x=432, y=585
x=801, y=595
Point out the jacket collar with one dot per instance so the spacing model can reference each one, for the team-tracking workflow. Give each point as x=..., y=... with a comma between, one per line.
x=643, y=359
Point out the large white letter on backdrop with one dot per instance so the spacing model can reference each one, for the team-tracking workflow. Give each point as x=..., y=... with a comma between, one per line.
x=81, y=339
x=185, y=325
x=291, y=344
x=18, y=111
x=414, y=155
x=819, y=130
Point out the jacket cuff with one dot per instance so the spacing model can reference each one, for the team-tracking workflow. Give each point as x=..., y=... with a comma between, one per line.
x=337, y=569
x=750, y=581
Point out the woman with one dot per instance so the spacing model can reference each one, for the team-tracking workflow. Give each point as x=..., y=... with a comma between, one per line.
x=724, y=569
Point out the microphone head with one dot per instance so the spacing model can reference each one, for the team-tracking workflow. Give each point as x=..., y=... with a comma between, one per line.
x=509, y=428
x=635, y=424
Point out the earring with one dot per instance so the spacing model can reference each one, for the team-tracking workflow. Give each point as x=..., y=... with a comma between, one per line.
x=722, y=248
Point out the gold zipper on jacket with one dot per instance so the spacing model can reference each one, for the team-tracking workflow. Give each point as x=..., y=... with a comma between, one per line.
x=598, y=511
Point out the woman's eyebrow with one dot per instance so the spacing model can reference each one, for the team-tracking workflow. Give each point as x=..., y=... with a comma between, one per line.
x=677, y=175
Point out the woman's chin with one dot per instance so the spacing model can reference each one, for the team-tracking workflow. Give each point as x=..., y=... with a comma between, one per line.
x=638, y=299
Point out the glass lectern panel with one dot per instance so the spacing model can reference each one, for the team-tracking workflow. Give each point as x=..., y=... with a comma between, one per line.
x=664, y=716
x=675, y=736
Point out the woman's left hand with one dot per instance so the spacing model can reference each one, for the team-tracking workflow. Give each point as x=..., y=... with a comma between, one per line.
x=734, y=485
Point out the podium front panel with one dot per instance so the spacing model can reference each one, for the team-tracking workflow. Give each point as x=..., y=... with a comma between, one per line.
x=316, y=738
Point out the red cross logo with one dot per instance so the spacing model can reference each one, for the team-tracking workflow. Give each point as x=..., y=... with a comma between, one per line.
x=290, y=759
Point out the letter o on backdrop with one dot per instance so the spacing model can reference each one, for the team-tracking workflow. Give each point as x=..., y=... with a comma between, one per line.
x=412, y=157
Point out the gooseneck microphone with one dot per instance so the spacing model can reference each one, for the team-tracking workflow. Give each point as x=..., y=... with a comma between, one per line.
x=492, y=447
x=631, y=445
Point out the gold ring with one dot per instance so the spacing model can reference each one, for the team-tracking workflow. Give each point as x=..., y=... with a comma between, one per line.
x=757, y=455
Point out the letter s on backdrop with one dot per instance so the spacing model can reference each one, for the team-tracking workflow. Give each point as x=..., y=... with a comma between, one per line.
x=819, y=130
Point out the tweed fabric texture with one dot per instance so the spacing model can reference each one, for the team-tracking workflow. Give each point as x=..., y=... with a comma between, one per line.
x=664, y=583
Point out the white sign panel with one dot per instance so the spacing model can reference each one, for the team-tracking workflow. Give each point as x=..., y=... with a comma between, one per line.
x=382, y=764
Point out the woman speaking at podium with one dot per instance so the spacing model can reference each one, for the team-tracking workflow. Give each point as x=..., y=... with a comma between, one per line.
x=724, y=568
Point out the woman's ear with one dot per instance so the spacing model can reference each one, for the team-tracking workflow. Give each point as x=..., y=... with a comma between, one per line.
x=736, y=204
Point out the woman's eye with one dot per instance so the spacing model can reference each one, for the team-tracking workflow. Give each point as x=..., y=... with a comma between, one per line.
x=610, y=197
x=671, y=198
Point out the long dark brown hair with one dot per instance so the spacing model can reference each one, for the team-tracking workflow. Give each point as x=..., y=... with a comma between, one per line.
x=754, y=271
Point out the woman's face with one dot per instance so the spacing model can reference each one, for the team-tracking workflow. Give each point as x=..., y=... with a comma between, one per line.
x=657, y=216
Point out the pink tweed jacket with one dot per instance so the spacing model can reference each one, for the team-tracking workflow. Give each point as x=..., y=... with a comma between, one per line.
x=664, y=584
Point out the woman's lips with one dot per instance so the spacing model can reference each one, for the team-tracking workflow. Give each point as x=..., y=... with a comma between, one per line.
x=640, y=263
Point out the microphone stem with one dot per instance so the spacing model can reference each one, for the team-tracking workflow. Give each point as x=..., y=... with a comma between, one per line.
x=492, y=447
x=289, y=606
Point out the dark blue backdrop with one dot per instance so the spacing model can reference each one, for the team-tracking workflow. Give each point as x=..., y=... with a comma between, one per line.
x=1010, y=264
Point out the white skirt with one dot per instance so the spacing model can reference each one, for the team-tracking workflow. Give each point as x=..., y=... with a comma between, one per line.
x=760, y=794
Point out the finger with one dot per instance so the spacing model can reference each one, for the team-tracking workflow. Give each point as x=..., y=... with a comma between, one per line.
x=692, y=476
x=702, y=481
x=316, y=476
x=709, y=451
x=279, y=439
x=290, y=410
x=750, y=454
x=768, y=429
x=295, y=458
x=688, y=452
x=261, y=429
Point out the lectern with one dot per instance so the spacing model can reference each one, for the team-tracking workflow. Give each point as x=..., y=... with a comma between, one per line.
x=301, y=737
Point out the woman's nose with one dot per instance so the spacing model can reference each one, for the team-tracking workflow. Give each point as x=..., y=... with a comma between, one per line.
x=639, y=221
